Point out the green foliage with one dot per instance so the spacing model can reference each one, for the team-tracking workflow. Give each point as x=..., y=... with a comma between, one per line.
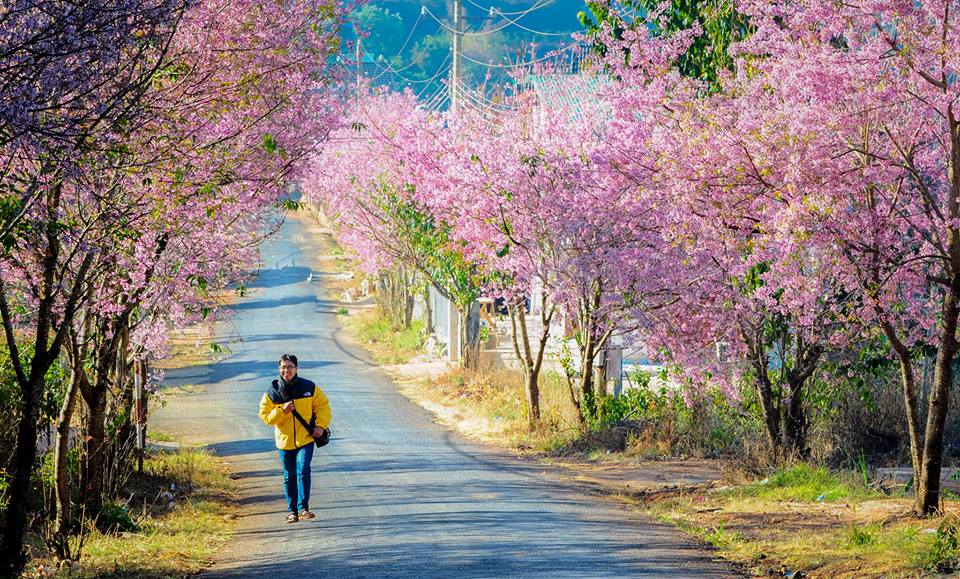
x=943, y=555
x=866, y=366
x=640, y=402
x=5, y=479
x=665, y=423
x=707, y=55
x=115, y=518
x=47, y=474
x=269, y=144
x=10, y=207
x=158, y=436
x=435, y=255
x=11, y=396
x=291, y=205
x=217, y=348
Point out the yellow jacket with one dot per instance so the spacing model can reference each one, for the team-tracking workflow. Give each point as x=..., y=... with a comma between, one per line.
x=311, y=403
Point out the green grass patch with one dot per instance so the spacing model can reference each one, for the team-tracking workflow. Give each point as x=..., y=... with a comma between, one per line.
x=157, y=436
x=864, y=535
x=387, y=345
x=806, y=483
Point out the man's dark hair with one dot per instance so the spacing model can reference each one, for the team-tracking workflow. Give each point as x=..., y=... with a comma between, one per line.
x=288, y=358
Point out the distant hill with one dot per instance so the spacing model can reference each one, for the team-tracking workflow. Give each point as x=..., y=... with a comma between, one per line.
x=404, y=48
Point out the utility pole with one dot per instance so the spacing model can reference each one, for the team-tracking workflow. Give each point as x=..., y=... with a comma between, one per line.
x=140, y=409
x=359, y=62
x=456, y=75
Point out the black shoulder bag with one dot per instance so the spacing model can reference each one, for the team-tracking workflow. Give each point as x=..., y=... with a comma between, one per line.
x=324, y=438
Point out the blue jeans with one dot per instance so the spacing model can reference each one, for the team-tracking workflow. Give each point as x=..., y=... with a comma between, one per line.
x=296, y=477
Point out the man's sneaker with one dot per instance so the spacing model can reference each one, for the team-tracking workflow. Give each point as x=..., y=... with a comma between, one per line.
x=305, y=514
x=292, y=518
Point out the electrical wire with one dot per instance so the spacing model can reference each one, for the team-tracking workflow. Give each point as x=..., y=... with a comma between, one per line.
x=440, y=71
x=409, y=36
x=536, y=6
x=484, y=101
x=480, y=33
x=403, y=47
x=396, y=72
x=389, y=69
x=516, y=22
x=437, y=96
x=549, y=56
x=443, y=97
x=469, y=99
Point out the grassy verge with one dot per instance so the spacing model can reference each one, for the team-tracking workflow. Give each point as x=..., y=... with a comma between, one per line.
x=824, y=523
x=387, y=346
x=488, y=404
x=158, y=532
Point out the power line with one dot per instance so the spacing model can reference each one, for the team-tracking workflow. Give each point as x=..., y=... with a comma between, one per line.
x=491, y=9
x=549, y=56
x=441, y=70
x=482, y=100
x=388, y=69
x=516, y=23
x=409, y=36
x=481, y=32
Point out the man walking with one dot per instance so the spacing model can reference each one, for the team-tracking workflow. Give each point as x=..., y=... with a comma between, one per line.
x=280, y=406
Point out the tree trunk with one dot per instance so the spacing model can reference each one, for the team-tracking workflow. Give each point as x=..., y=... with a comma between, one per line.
x=428, y=311
x=928, y=485
x=61, y=471
x=469, y=334
x=806, y=361
x=531, y=368
x=587, y=353
x=12, y=557
x=97, y=446
x=588, y=348
x=48, y=339
x=795, y=421
x=770, y=410
x=908, y=382
x=407, y=297
x=395, y=299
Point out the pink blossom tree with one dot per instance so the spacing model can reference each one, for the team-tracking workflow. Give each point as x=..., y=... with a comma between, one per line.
x=160, y=200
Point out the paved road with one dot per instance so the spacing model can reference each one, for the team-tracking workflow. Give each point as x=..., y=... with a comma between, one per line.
x=396, y=495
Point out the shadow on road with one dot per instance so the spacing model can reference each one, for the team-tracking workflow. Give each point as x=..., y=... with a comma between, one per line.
x=284, y=276
x=279, y=337
x=241, y=447
x=417, y=551
x=227, y=370
x=274, y=303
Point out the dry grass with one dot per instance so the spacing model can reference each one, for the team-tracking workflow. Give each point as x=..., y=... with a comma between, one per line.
x=489, y=404
x=173, y=535
x=816, y=521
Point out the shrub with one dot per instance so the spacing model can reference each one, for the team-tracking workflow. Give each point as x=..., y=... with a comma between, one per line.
x=662, y=421
x=943, y=555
